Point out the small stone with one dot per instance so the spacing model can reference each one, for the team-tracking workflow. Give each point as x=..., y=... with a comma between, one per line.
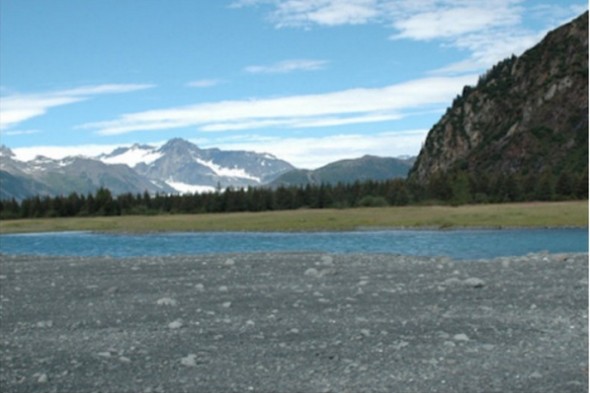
x=536, y=375
x=474, y=282
x=44, y=324
x=327, y=260
x=460, y=337
x=189, y=360
x=124, y=359
x=365, y=332
x=42, y=378
x=111, y=291
x=166, y=301
x=226, y=305
x=106, y=354
x=312, y=272
x=223, y=288
x=175, y=324
x=200, y=287
x=229, y=262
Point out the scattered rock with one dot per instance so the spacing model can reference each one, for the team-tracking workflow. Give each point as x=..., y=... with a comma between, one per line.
x=166, y=301
x=223, y=288
x=229, y=262
x=44, y=324
x=200, y=287
x=226, y=305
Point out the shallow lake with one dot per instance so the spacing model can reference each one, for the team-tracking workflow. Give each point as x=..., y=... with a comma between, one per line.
x=460, y=244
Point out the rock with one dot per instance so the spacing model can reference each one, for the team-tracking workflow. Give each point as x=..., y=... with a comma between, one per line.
x=41, y=377
x=175, y=324
x=166, y=301
x=474, y=282
x=189, y=360
x=229, y=262
x=461, y=337
x=312, y=272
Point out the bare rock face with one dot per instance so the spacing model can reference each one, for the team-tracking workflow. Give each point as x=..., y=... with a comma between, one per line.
x=527, y=114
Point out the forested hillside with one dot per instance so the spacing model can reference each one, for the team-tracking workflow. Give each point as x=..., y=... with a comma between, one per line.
x=525, y=121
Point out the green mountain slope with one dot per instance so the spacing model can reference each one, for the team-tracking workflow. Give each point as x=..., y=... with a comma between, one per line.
x=348, y=171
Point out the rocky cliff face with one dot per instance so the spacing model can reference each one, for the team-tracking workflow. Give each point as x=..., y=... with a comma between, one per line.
x=526, y=115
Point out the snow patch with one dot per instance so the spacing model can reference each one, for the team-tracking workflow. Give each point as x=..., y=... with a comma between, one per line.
x=133, y=156
x=185, y=188
x=227, y=172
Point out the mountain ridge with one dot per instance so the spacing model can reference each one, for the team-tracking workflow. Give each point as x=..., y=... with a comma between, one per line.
x=527, y=115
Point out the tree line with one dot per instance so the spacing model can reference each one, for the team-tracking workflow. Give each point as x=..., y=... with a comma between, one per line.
x=457, y=189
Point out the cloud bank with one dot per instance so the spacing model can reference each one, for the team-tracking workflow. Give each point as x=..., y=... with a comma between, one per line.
x=17, y=108
x=360, y=105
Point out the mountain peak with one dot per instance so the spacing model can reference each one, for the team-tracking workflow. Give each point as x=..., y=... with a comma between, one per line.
x=178, y=143
x=6, y=152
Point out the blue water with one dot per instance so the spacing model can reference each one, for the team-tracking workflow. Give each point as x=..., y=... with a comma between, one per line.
x=461, y=244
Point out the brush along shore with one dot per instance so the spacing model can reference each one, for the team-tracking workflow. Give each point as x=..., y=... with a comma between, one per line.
x=537, y=214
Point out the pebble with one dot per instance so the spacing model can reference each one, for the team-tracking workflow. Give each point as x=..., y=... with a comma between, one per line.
x=44, y=324
x=41, y=377
x=200, y=287
x=175, y=324
x=461, y=337
x=226, y=305
x=474, y=282
x=229, y=262
x=166, y=301
x=223, y=288
x=189, y=360
x=312, y=272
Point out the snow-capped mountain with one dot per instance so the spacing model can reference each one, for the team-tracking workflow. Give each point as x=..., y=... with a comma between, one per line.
x=47, y=176
x=176, y=167
x=187, y=168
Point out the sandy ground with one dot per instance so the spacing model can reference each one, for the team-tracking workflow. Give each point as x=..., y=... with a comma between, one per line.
x=294, y=323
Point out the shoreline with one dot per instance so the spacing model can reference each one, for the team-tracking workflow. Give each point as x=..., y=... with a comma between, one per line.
x=514, y=215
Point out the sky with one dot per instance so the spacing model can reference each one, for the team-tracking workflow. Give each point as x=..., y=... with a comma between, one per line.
x=310, y=81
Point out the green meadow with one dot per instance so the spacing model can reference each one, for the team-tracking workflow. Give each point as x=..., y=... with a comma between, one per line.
x=546, y=214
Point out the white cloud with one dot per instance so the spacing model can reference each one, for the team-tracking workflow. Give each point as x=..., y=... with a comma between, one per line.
x=455, y=20
x=303, y=13
x=314, y=152
x=488, y=31
x=19, y=132
x=203, y=83
x=287, y=66
x=59, y=152
x=361, y=105
x=17, y=108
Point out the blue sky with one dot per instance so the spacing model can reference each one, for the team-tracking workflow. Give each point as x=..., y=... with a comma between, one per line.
x=311, y=81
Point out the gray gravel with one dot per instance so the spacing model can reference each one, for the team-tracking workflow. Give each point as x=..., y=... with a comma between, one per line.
x=294, y=323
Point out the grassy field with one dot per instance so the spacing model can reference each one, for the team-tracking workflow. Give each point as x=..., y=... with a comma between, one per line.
x=554, y=214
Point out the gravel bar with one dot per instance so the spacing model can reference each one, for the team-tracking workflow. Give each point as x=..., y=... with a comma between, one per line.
x=294, y=322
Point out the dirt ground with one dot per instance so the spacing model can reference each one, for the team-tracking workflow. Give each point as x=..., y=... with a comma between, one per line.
x=294, y=323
